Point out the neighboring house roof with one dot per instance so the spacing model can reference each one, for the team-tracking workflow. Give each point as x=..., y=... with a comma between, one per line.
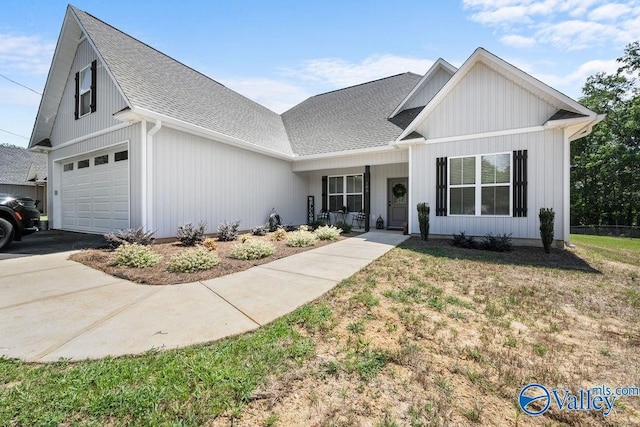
x=352, y=118
x=18, y=165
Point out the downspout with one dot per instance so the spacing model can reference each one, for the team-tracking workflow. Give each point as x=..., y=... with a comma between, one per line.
x=149, y=160
x=566, y=180
x=143, y=173
x=409, y=196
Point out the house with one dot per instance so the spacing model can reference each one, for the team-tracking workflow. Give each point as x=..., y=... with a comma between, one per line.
x=23, y=173
x=135, y=138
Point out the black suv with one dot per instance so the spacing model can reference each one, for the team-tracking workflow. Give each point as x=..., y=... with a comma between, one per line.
x=18, y=217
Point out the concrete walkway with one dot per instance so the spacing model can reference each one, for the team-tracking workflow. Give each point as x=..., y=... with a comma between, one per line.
x=53, y=308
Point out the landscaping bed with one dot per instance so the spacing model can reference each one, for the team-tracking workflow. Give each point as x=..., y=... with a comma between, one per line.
x=100, y=259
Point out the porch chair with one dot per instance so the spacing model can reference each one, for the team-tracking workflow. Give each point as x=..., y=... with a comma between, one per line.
x=359, y=218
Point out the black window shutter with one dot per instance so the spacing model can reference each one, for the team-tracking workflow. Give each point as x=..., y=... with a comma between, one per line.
x=441, y=186
x=94, y=92
x=520, y=183
x=77, y=97
x=325, y=195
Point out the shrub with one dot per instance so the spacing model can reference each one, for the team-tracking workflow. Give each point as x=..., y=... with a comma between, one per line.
x=496, y=243
x=303, y=228
x=190, y=235
x=228, y=232
x=547, y=216
x=423, y=219
x=279, y=234
x=260, y=230
x=327, y=233
x=210, y=244
x=193, y=260
x=252, y=249
x=346, y=228
x=463, y=241
x=135, y=255
x=130, y=235
x=301, y=239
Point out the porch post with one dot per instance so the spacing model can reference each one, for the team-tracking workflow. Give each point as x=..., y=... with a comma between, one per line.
x=367, y=196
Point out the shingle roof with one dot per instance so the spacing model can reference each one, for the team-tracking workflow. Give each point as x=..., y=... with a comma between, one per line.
x=15, y=163
x=154, y=81
x=351, y=118
x=564, y=114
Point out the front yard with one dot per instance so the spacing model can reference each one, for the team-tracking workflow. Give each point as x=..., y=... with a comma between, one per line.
x=428, y=334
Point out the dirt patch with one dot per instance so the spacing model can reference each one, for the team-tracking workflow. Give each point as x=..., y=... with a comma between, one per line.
x=158, y=275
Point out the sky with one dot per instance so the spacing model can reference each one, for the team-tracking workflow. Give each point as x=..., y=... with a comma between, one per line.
x=280, y=52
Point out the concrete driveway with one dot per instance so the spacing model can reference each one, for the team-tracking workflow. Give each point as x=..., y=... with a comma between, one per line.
x=52, y=308
x=51, y=242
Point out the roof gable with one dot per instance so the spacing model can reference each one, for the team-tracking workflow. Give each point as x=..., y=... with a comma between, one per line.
x=19, y=165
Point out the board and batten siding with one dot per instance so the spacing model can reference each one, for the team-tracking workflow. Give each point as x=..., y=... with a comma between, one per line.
x=428, y=91
x=545, y=183
x=485, y=101
x=399, y=155
x=379, y=176
x=130, y=134
x=108, y=100
x=198, y=179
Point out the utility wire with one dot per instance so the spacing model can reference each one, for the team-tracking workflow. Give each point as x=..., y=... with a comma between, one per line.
x=20, y=84
x=14, y=134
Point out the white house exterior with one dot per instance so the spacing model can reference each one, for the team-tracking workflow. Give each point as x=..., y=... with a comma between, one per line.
x=136, y=138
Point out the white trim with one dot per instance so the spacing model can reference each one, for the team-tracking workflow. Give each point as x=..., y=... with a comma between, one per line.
x=566, y=186
x=80, y=92
x=344, y=191
x=84, y=153
x=150, y=218
x=347, y=153
x=485, y=134
x=409, y=196
x=91, y=135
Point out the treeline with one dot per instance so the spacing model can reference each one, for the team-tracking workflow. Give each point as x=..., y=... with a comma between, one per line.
x=605, y=173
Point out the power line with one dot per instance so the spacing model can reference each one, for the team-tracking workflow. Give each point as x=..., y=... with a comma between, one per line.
x=20, y=84
x=14, y=134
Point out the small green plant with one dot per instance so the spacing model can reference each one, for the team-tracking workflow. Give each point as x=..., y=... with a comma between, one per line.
x=346, y=228
x=547, y=216
x=423, y=219
x=260, y=230
x=496, y=243
x=228, y=232
x=190, y=235
x=301, y=239
x=252, y=249
x=135, y=255
x=327, y=232
x=540, y=349
x=463, y=241
x=193, y=260
x=130, y=235
x=279, y=234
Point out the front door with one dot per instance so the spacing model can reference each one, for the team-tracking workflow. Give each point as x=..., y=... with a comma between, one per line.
x=397, y=202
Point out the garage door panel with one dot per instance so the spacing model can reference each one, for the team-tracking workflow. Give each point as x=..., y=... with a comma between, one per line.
x=96, y=198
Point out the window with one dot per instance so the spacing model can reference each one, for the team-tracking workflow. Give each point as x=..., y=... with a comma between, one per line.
x=85, y=91
x=68, y=167
x=120, y=156
x=346, y=191
x=83, y=164
x=480, y=185
x=101, y=160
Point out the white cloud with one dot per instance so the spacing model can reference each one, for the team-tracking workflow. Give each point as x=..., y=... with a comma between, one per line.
x=26, y=54
x=589, y=68
x=576, y=35
x=515, y=40
x=276, y=95
x=609, y=12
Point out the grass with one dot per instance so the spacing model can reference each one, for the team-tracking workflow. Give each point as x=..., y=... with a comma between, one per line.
x=426, y=335
x=616, y=249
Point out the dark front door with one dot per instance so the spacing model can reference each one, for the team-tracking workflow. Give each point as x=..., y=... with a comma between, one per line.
x=397, y=202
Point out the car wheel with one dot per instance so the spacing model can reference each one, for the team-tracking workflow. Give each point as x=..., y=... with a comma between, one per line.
x=6, y=233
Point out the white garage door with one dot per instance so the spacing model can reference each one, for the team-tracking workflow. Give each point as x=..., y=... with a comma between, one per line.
x=95, y=192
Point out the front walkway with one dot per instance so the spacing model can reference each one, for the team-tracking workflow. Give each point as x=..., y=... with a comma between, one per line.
x=53, y=308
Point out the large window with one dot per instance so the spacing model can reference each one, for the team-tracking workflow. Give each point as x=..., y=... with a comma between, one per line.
x=345, y=190
x=480, y=185
x=84, y=94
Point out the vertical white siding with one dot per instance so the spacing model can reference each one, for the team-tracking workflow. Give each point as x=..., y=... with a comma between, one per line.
x=545, y=184
x=197, y=179
x=484, y=101
x=109, y=101
x=428, y=91
x=394, y=156
x=379, y=176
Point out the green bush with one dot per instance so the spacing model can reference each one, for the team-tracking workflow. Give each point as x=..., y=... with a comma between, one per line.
x=135, y=255
x=327, y=232
x=193, y=260
x=130, y=235
x=346, y=228
x=546, y=227
x=463, y=241
x=228, y=232
x=496, y=243
x=252, y=249
x=301, y=239
x=190, y=235
x=423, y=219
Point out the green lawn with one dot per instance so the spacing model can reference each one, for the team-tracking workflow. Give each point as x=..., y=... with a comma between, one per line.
x=617, y=249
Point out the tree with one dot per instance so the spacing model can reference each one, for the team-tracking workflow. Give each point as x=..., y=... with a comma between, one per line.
x=605, y=178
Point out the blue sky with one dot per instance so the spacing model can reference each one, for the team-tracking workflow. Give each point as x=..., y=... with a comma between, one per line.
x=280, y=52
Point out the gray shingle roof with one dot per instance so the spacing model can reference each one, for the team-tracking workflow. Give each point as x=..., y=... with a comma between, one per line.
x=351, y=118
x=15, y=163
x=152, y=80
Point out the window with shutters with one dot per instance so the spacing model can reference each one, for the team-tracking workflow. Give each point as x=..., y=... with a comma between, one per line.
x=480, y=185
x=346, y=190
x=84, y=91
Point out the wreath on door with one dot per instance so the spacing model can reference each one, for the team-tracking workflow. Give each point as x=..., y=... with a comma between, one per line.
x=399, y=190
